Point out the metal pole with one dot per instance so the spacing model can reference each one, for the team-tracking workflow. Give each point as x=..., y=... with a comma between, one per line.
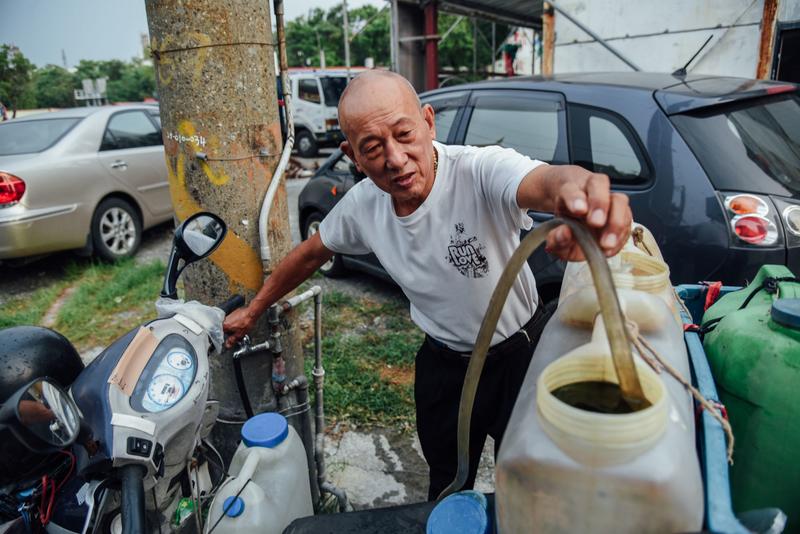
x=474, y=47
x=346, y=38
x=431, y=47
x=595, y=37
x=394, y=45
x=201, y=69
x=494, y=46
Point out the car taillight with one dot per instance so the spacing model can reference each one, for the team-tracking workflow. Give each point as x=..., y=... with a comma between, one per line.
x=791, y=216
x=11, y=189
x=754, y=229
x=751, y=218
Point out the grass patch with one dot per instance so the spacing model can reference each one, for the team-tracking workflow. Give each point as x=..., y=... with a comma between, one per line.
x=109, y=301
x=30, y=310
x=368, y=353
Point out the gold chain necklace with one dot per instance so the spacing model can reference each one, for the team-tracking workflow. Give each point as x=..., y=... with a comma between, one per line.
x=435, y=161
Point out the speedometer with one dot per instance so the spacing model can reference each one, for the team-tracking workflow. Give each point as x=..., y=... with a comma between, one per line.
x=165, y=390
x=179, y=359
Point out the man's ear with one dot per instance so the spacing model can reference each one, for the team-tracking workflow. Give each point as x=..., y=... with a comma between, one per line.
x=427, y=115
x=345, y=147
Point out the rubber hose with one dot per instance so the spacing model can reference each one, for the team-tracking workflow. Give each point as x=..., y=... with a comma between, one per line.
x=242, y=387
x=612, y=319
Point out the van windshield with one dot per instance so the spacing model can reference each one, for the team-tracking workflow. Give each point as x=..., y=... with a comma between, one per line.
x=751, y=146
x=25, y=137
x=332, y=87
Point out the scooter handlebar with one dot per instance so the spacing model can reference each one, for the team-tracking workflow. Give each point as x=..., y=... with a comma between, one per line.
x=132, y=502
x=236, y=301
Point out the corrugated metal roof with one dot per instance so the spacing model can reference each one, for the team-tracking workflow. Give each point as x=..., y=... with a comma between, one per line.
x=517, y=12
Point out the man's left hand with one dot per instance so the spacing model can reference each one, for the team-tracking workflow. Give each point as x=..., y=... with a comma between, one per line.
x=572, y=191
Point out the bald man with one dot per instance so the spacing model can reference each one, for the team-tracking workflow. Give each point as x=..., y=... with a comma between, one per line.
x=443, y=221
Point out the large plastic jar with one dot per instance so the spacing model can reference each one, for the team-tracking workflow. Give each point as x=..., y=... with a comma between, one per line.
x=269, y=487
x=564, y=469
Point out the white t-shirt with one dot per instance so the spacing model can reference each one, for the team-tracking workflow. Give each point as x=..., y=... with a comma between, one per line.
x=448, y=255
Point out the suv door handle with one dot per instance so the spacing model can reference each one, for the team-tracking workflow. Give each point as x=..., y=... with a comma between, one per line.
x=119, y=164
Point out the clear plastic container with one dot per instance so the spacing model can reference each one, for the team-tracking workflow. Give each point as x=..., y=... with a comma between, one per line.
x=563, y=469
x=272, y=458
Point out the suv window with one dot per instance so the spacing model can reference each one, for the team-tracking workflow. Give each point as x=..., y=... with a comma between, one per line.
x=131, y=129
x=445, y=110
x=342, y=164
x=603, y=142
x=308, y=90
x=748, y=146
x=531, y=123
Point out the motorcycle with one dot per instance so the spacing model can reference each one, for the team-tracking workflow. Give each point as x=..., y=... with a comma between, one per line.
x=136, y=419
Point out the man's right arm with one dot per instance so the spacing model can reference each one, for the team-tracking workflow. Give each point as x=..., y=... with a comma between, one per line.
x=296, y=267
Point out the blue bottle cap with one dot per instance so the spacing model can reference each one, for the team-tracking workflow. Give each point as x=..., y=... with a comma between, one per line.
x=233, y=506
x=786, y=312
x=464, y=512
x=265, y=430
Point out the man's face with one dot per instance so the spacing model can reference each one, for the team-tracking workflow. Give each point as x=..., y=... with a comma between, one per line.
x=390, y=140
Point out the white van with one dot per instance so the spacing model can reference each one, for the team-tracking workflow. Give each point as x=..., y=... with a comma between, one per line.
x=315, y=95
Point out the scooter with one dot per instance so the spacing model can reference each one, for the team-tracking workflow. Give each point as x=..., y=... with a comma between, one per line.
x=141, y=410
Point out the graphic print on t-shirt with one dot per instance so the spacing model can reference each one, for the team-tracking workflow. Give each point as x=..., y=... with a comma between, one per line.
x=466, y=254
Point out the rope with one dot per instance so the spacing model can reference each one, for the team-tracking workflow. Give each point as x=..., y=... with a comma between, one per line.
x=643, y=345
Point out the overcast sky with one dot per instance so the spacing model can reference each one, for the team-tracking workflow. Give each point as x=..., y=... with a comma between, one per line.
x=95, y=29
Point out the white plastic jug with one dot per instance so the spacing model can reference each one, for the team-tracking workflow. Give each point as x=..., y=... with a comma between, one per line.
x=270, y=476
x=564, y=469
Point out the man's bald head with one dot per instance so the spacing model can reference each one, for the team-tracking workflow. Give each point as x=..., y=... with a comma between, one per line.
x=369, y=85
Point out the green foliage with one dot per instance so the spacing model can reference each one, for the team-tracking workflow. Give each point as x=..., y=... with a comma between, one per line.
x=110, y=300
x=29, y=310
x=16, y=85
x=54, y=87
x=306, y=34
x=368, y=354
x=126, y=82
x=455, y=52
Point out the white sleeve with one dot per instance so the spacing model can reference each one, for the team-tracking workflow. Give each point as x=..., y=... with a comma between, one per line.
x=340, y=229
x=498, y=172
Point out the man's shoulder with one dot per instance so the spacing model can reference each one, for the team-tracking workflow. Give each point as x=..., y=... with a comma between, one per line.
x=458, y=152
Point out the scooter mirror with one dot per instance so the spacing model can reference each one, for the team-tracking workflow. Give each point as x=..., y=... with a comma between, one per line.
x=197, y=237
x=42, y=416
x=202, y=234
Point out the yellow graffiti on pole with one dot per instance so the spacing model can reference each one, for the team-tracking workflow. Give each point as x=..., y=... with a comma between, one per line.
x=187, y=129
x=235, y=257
x=199, y=43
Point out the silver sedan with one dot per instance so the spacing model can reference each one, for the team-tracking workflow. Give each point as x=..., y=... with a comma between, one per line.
x=85, y=178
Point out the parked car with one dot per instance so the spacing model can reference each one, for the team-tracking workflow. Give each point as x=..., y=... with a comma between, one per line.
x=711, y=164
x=85, y=178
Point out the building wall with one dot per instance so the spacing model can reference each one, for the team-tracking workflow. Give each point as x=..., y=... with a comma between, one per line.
x=662, y=36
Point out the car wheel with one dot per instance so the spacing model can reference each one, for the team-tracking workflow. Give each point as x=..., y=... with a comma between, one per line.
x=306, y=144
x=334, y=267
x=116, y=229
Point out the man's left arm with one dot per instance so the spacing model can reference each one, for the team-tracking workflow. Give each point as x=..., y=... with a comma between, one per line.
x=572, y=191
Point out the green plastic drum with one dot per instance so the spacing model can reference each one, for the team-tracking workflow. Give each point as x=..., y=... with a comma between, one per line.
x=754, y=352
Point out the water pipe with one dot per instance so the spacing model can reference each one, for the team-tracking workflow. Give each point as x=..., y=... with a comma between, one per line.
x=318, y=373
x=266, y=206
x=612, y=318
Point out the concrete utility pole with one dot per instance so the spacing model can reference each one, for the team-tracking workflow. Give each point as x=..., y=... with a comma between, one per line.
x=215, y=70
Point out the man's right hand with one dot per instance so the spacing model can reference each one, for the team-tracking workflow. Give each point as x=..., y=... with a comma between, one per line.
x=237, y=324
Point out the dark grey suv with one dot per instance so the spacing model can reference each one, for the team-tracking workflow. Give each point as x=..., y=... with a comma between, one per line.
x=711, y=164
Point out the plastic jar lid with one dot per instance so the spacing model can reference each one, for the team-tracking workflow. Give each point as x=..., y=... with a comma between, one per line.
x=464, y=512
x=233, y=506
x=265, y=430
x=786, y=312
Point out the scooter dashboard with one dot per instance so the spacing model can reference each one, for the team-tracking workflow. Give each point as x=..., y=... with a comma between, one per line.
x=167, y=377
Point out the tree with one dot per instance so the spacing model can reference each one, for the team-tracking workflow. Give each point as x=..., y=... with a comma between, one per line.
x=125, y=82
x=456, y=51
x=16, y=87
x=306, y=34
x=54, y=87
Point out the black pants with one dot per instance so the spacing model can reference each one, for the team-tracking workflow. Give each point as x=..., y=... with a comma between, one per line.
x=439, y=377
